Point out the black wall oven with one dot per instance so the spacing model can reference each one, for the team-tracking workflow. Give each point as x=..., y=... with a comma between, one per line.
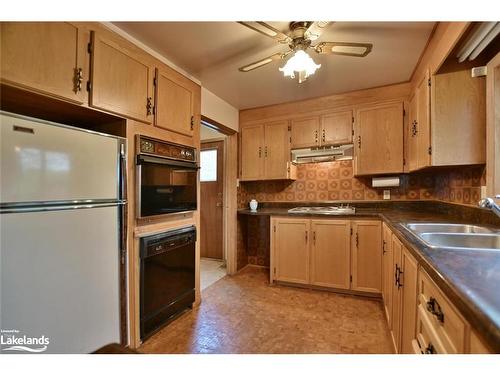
x=166, y=178
x=167, y=277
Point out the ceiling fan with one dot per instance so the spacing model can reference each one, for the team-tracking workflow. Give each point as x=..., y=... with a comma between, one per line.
x=301, y=36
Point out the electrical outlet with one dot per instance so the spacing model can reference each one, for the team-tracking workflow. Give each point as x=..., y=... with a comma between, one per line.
x=483, y=192
x=387, y=194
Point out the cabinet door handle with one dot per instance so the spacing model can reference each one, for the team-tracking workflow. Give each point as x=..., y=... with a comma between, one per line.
x=383, y=247
x=306, y=236
x=357, y=240
x=192, y=122
x=316, y=136
x=399, y=278
x=396, y=275
x=78, y=79
x=434, y=308
x=324, y=136
x=359, y=141
x=265, y=151
x=314, y=237
x=260, y=152
x=149, y=106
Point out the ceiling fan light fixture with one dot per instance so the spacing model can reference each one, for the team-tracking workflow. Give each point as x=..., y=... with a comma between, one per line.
x=301, y=63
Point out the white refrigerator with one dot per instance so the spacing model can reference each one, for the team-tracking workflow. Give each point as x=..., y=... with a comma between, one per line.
x=62, y=241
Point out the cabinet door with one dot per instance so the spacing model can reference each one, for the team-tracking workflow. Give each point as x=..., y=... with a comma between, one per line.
x=48, y=57
x=423, y=122
x=366, y=266
x=173, y=103
x=379, y=133
x=413, y=134
x=276, y=150
x=305, y=132
x=331, y=244
x=396, y=294
x=387, y=272
x=121, y=79
x=336, y=128
x=291, y=250
x=252, y=161
x=408, y=279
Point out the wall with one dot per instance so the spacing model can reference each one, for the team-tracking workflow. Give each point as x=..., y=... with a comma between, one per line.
x=334, y=181
x=218, y=110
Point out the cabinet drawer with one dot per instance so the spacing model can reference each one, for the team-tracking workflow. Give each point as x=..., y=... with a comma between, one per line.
x=427, y=340
x=448, y=324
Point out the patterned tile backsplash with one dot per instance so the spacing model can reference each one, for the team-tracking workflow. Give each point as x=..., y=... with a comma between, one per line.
x=334, y=181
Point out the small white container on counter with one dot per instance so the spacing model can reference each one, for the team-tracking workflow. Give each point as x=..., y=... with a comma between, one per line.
x=253, y=205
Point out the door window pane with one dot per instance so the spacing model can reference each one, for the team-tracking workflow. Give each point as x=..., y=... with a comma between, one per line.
x=208, y=164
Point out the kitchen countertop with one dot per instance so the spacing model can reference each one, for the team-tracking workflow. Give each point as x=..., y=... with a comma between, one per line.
x=468, y=278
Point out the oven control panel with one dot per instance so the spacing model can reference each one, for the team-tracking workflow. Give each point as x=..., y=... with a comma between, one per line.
x=164, y=149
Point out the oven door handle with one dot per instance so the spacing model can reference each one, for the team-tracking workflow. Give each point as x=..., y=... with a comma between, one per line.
x=142, y=159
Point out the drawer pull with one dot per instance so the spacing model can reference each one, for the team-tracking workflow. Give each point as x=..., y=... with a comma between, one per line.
x=430, y=349
x=434, y=308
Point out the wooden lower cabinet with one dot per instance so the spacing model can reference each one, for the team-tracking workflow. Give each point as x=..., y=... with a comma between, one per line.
x=319, y=252
x=291, y=250
x=396, y=294
x=387, y=272
x=330, y=253
x=366, y=256
x=408, y=282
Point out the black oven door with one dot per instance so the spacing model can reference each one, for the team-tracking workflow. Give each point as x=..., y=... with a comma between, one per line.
x=165, y=186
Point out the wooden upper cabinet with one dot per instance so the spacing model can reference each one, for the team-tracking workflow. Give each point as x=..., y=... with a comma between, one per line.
x=276, y=150
x=336, y=128
x=387, y=272
x=379, y=139
x=458, y=118
x=121, y=79
x=252, y=158
x=291, y=250
x=305, y=132
x=47, y=57
x=174, y=98
x=330, y=253
x=366, y=256
x=412, y=138
x=423, y=122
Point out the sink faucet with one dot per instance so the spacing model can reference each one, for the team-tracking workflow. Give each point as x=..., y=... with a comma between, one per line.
x=490, y=204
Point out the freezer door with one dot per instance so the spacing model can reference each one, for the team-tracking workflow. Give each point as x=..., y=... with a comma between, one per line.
x=60, y=278
x=42, y=162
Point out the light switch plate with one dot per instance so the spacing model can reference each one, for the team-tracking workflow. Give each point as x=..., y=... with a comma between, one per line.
x=387, y=194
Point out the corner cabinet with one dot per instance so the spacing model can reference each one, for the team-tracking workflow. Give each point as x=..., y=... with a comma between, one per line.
x=319, y=253
x=265, y=152
x=47, y=57
x=378, y=139
x=121, y=78
x=447, y=120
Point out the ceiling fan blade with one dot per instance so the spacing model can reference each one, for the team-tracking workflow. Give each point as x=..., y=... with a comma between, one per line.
x=267, y=30
x=314, y=31
x=343, y=48
x=262, y=62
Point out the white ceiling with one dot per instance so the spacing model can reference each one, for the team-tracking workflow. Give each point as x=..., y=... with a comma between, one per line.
x=213, y=52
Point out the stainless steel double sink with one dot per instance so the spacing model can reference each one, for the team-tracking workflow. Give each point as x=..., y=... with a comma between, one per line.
x=455, y=236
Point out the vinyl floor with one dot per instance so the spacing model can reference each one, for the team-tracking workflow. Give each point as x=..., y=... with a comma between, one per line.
x=244, y=314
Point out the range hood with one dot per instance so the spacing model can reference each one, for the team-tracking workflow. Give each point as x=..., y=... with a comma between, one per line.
x=322, y=154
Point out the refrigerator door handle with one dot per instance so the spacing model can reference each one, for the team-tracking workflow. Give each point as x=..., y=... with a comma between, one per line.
x=9, y=210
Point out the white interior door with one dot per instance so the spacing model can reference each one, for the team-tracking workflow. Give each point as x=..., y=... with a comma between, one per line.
x=60, y=277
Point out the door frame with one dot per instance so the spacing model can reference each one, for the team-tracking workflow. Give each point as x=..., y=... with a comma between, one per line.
x=224, y=159
x=230, y=176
